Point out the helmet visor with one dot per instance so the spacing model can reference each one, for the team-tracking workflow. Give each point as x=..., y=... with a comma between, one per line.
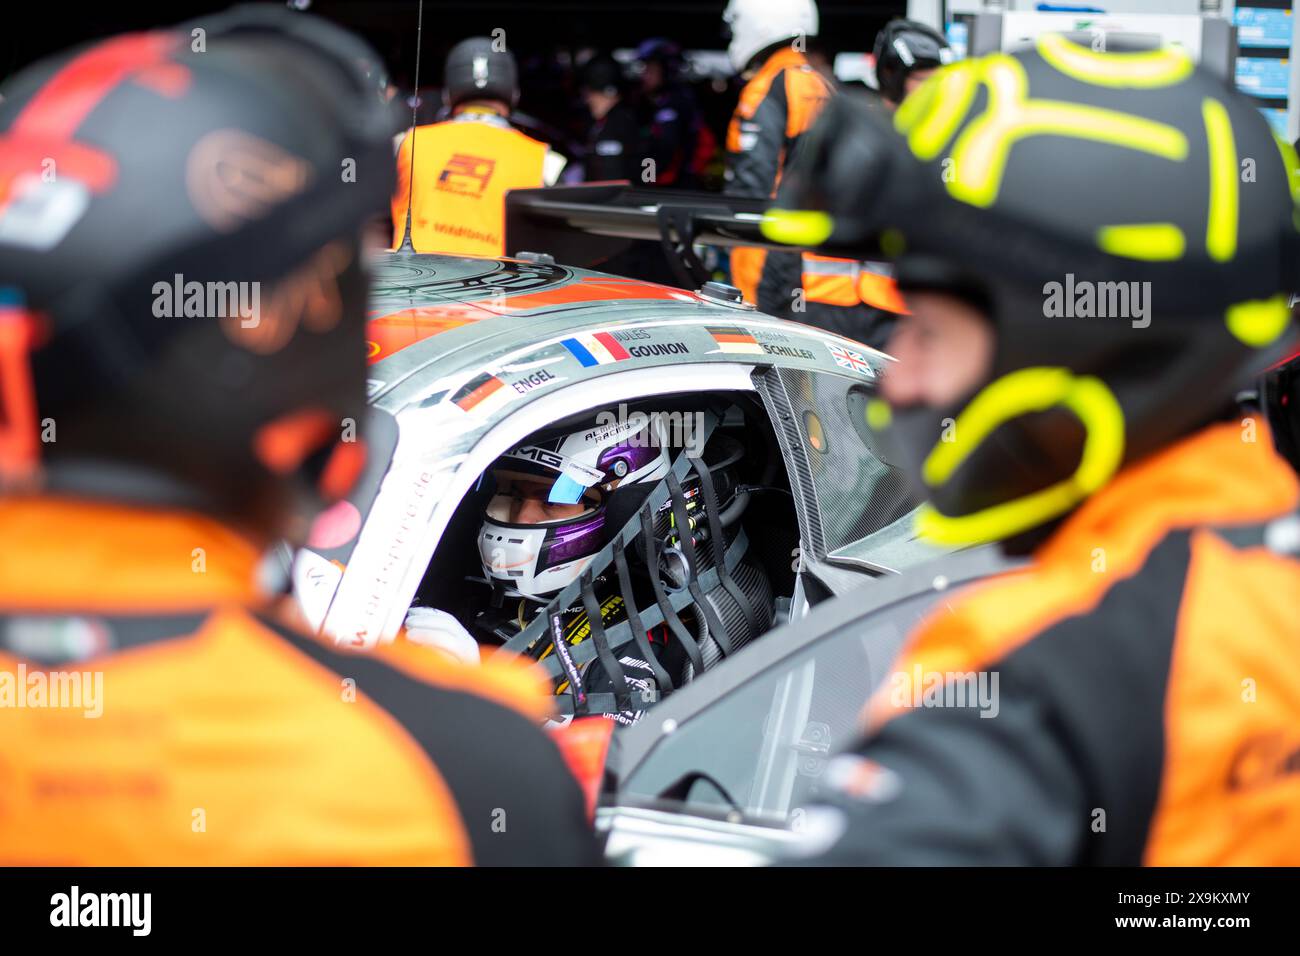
x=533, y=500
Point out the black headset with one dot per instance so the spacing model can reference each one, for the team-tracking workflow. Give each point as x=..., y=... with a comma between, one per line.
x=903, y=46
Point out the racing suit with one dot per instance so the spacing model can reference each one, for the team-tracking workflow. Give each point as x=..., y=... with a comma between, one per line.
x=496, y=626
x=204, y=732
x=778, y=103
x=1147, y=704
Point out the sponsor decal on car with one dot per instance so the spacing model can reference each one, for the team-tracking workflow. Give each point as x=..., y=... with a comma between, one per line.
x=735, y=340
x=847, y=358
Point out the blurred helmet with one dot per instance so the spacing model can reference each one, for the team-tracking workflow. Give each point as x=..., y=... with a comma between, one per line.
x=902, y=48
x=603, y=74
x=175, y=229
x=660, y=50
x=1127, y=222
x=756, y=25
x=583, y=482
x=475, y=70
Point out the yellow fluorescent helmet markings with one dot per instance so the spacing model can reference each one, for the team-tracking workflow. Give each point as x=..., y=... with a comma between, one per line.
x=1259, y=322
x=879, y=414
x=956, y=88
x=1221, y=232
x=797, y=227
x=1019, y=393
x=1292, y=164
x=1153, y=241
x=996, y=522
x=1145, y=70
x=916, y=105
x=982, y=150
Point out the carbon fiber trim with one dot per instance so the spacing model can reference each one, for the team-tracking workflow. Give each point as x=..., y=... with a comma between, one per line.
x=771, y=388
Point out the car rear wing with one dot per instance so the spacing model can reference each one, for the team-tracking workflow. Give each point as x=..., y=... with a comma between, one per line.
x=588, y=224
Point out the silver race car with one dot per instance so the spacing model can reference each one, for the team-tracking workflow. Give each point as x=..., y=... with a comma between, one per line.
x=473, y=359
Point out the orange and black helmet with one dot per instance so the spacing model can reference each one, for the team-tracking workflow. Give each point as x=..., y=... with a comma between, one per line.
x=182, y=291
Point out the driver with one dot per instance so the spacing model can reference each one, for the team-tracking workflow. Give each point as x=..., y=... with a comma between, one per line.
x=555, y=502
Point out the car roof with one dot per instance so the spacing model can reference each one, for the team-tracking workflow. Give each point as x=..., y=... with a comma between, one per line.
x=434, y=316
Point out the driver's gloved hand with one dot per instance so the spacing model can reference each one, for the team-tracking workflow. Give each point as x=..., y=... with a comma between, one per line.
x=434, y=628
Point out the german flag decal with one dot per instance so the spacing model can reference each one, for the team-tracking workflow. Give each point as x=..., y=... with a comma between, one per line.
x=736, y=340
x=483, y=394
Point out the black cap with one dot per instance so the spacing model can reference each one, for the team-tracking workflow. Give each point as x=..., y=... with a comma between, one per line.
x=602, y=73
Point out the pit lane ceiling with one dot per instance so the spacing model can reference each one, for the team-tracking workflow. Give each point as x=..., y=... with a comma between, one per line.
x=389, y=25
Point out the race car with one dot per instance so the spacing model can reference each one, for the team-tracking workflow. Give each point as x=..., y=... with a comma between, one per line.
x=473, y=358
x=724, y=773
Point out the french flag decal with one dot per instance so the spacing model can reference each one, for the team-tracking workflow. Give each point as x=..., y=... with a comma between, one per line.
x=596, y=348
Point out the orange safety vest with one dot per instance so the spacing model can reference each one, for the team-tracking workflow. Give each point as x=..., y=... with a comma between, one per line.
x=464, y=167
x=806, y=93
x=847, y=282
x=154, y=711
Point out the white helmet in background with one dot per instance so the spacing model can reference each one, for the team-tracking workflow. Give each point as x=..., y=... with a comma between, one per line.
x=757, y=24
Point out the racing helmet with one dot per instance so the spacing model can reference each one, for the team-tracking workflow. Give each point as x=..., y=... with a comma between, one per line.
x=903, y=47
x=476, y=70
x=756, y=25
x=588, y=479
x=185, y=259
x=1137, y=178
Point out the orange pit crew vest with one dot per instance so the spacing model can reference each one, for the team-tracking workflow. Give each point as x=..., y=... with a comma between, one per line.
x=846, y=282
x=800, y=91
x=463, y=168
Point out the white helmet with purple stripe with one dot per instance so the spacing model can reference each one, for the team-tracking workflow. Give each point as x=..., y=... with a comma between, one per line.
x=560, y=497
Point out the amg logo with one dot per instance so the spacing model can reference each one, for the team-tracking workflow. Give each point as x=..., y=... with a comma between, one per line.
x=103, y=909
x=540, y=455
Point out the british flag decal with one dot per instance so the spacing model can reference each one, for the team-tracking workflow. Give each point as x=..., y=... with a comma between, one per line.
x=847, y=358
